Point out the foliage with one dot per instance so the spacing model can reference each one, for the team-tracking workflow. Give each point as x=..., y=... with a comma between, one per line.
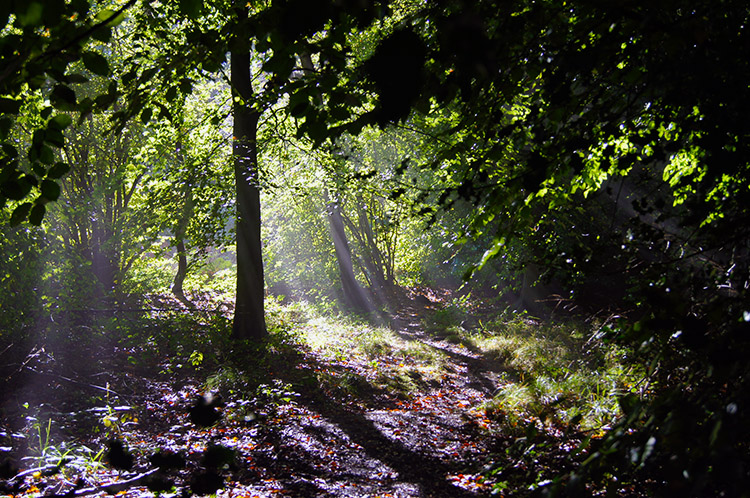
x=538, y=116
x=40, y=44
x=19, y=272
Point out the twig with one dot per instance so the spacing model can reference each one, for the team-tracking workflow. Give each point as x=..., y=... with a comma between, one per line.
x=6, y=349
x=30, y=356
x=47, y=470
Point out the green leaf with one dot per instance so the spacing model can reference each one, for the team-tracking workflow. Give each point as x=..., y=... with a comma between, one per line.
x=58, y=170
x=102, y=34
x=37, y=214
x=10, y=151
x=6, y=123
x=76, y=78
x=103, y=101
x=37, y=139
x=54, y=137
x=85, y=107
x=128, y=77
x=146, y=115
x=492, y=251
x=60, y=121
x=20, y=213
x=63, y=98
x=16, y=190
x=46, y=156
x=186, y=86
x=191, y=8
x=171, y=94
x=50, y=190
x=9, y=106
x=110, y=16
x=31, y=15
x=164, y=112
x=96, y=63
x=298, y=104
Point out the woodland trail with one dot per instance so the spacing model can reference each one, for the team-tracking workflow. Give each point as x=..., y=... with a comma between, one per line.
x=304, y=437
x=428, y=444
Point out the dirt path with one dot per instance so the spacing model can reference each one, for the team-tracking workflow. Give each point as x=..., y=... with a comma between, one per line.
x=432, y=443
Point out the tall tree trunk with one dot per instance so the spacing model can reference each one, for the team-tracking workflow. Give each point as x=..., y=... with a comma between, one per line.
x=354, y=295
x=249, y=316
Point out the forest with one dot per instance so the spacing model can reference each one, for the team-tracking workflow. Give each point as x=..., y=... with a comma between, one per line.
x=374, y=248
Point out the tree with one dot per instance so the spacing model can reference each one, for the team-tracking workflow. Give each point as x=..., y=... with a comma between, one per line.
x=548, y=101
x=279, y=36
x=558, y=98
x=249, y=317
x=98, y=218
x=353, y=293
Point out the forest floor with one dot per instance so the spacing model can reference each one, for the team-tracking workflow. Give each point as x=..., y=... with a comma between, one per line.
x=322, y=423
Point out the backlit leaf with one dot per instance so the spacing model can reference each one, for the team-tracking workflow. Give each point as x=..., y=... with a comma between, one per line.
x=20, y=213
x=96, y=63
x=111, y=16
x=50, y=190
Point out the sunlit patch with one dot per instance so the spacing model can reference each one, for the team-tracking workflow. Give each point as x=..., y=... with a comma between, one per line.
x=469, y=482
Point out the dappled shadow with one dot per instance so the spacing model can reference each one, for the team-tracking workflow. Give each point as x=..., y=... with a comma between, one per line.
x=481, y=372
x=323, y=443
x=380, y=450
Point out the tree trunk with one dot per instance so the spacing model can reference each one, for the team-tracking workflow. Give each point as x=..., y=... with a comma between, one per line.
x=179, y=278
x=249, y=316
x=354, y=295
x=180, y=233
x=374, y=254
x=103, y=260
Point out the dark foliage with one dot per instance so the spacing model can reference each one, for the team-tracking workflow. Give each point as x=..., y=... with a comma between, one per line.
x=203, y=413
x=118, y=456
x=167, y=460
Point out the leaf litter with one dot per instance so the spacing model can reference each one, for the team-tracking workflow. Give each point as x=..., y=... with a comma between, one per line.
x=324, y=427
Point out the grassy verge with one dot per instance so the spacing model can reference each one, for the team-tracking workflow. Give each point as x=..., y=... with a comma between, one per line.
x=558, y=374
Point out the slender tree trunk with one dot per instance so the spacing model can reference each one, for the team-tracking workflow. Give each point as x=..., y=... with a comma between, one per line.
x=374, y=254
x=249, y=315
x=179, y=278
x=354, y=295
x=180, y=233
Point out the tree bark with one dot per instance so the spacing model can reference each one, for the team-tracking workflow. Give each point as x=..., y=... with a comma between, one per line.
x=180, y=233
x=179, y=277
x=249, y=315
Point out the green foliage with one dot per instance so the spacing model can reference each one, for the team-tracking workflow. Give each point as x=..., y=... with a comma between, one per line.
x=537, y=117
x=40, y=41
x=20, y=268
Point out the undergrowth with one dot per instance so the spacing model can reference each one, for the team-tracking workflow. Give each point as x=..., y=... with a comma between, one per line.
x=556, y=374
x=553, y=378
